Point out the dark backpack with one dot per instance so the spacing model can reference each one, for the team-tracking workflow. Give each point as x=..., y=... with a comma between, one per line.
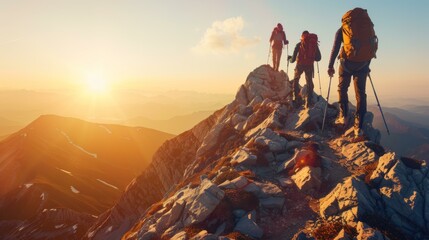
x=307, y=49
x=360, y=43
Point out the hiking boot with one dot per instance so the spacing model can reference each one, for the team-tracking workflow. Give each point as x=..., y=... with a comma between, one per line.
x=342, y=120
x=359, y=135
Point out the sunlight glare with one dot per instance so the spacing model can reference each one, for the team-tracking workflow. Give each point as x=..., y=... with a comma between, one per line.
x=97, y=85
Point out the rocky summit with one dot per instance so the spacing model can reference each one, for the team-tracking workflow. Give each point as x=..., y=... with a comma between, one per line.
x=261, y=168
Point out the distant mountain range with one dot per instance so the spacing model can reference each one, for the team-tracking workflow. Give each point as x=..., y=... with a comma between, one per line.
x=174, y=125
x=65, y=163
x=409, y=130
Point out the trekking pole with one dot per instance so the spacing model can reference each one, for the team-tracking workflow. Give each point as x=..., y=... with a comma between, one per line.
x=379, y=106
x=269, y=52
x=318, y=73
x=327, y=103
x=287, y=57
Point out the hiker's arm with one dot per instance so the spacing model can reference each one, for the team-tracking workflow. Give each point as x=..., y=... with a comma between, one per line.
x=286, y=42
x=318, y=56
x=336, y=48
x=271, y=38
x=295, y=53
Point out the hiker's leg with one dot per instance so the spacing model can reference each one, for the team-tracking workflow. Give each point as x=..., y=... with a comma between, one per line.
x=279, y=56
x=310, y=85
x=359, y=79
x=295, y=82
x=343, y=86
x=274, y=58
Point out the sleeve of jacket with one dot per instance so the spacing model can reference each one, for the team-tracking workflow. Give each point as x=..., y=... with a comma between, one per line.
x=295, y=53
x=336, y=47
x=318, y=56
x=285, y=41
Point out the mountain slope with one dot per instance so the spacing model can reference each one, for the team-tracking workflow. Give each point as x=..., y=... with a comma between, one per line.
x=66, y=163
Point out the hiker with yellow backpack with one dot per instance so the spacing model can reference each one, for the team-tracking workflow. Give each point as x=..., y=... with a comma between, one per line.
x=359, y=46
x=305, y=53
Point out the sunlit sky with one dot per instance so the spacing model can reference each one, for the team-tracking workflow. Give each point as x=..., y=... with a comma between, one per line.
x=205, y=46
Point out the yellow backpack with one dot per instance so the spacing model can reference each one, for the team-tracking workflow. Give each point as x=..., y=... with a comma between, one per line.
x=360, y=43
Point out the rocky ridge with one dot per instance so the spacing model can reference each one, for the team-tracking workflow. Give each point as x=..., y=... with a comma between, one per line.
x=261, y=169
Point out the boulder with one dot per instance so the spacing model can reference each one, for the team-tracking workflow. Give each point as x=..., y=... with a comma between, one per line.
x=271, y=140
x=365, y=232
x=204, y=200
x=308, y=179
x=243, y=157
x=350, y=200
x=248, y=226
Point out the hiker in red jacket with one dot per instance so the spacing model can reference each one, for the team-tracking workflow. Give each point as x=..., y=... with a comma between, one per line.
x=278, y=37
x=305, y=53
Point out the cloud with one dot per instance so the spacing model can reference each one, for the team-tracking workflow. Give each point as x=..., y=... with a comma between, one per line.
x=224, y=37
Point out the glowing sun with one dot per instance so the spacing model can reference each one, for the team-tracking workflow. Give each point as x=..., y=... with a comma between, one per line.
x=97, y=85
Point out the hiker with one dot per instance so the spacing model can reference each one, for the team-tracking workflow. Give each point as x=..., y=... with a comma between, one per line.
x=359, y=46
x=305, y=53
x=277, y=39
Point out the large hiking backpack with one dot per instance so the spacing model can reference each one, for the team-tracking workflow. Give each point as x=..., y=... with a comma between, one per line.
x=360, y=43
x=307, y=49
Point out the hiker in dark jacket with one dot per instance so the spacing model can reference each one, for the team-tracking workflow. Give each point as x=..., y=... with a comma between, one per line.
x=277, y=39
x=347, y=69
x=304, y=65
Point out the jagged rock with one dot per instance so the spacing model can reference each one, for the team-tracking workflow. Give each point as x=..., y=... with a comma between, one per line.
x=402, y=196
x=365, y=232
x=204, y=201
x=350, y=200
x=253, y=188
x=359, y=154
x=286, y=165
x=268, y=189
x=241, y=96
x=243, y=157
x=238, y=182
x=284, y=182
x=259, y=120
x=308, y=179
x=342, y=235
x=248, y=226
x=268, y=138
x=180, y=236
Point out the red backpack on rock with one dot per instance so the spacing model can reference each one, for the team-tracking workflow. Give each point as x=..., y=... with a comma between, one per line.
x=307, y=50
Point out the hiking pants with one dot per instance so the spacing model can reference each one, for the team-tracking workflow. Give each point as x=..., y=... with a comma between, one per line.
x=309, y=70
x=359, y=72
x=277, y=54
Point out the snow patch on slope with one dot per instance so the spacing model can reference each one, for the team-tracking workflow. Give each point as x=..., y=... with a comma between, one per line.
x=94, y=155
